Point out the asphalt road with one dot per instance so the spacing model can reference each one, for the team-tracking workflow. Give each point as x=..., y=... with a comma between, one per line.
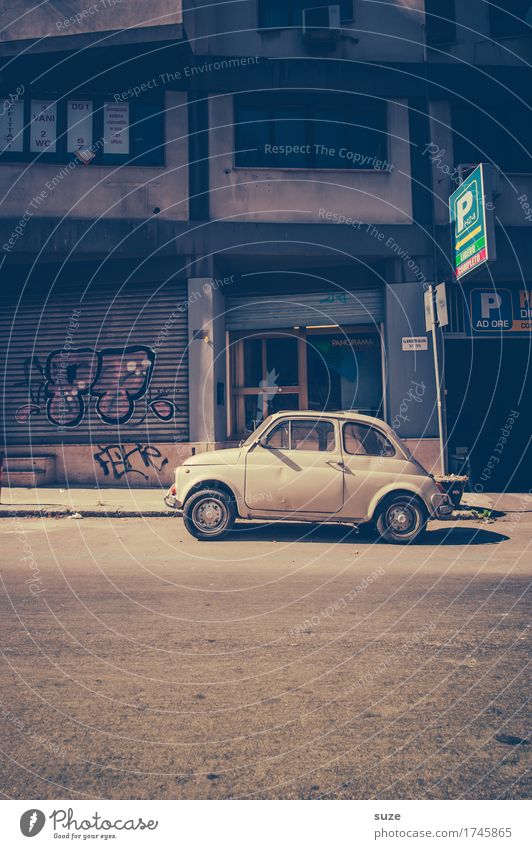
x=285, y=662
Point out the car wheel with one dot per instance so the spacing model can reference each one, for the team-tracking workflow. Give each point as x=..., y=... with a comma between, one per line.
x=403, y=519
x=209, y=514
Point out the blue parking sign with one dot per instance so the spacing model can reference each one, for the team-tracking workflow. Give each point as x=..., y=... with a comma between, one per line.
x=491, y=310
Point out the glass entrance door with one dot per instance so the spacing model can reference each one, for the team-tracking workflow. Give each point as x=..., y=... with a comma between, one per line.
x=345, y=370
x=266, y=377
x=318, y=369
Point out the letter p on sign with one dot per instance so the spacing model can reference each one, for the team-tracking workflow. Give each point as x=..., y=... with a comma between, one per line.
x=464, y=205
x=489, y=301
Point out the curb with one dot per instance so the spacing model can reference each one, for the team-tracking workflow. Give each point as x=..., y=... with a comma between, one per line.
x=66, y=512
x=460, y=515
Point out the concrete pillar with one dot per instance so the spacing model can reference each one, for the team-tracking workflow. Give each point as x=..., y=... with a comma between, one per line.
x=411, y=383
x=206, y=361
x=411, y=386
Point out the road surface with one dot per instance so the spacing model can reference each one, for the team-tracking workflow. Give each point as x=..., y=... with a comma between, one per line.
x=285, y=662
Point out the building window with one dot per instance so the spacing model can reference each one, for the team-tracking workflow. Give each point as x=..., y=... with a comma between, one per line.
x=278, y=14
x=492, y=132
x=294, y=130
x=440, y=21
x=510, y=18
x=91, y=129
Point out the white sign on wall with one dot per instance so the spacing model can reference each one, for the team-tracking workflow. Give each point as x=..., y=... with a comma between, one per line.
x=116, y=128
x=11, y=128
x=415, y=343
x=79, y=125
x=43, y=127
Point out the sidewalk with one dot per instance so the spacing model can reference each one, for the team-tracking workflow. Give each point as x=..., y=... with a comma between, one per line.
x=509, y=503
x=54, y=501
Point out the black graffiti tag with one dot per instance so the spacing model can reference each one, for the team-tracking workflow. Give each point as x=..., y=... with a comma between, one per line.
x=117, y=460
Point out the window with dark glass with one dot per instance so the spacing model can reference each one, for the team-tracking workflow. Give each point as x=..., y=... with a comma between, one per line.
x=87, y=129
x=510, y=18
x=282, y=362
x=252, y=362
x=276, y=14
x=492, y=131
x=297, y=130
x=440, y=21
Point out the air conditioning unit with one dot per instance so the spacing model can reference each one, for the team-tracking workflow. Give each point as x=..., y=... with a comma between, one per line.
x=321, y=23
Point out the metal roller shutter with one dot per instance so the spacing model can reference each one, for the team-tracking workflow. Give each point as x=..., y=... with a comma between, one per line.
x=136, y=384
x=258, y=312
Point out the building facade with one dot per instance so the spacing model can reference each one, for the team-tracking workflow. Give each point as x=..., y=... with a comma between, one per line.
x=232, y=209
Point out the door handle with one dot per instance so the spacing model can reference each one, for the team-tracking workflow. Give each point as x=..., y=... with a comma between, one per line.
x=335, y=463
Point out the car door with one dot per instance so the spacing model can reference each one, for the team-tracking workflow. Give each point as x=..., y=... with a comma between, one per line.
x=297, y=467
x=371, y=462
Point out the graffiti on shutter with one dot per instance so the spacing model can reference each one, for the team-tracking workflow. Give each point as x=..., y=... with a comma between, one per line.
x=117, y=378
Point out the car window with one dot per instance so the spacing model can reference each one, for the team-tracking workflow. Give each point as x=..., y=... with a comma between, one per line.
x=362, y=439
x=312, y=435
x=279, y=436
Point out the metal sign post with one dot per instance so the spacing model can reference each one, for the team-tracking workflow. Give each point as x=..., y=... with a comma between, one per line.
x=436, y=316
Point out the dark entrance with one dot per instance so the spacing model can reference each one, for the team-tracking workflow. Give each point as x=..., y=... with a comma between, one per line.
x=489, y=388
x=344, y=371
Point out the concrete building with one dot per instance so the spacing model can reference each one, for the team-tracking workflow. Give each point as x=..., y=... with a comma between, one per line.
x=213, y=215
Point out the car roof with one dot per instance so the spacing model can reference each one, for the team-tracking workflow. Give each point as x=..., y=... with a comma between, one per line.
x=334, y=414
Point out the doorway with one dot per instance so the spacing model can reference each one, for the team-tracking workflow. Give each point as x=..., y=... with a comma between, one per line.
x=320, y=369
x=344, y=368
x=489, y=384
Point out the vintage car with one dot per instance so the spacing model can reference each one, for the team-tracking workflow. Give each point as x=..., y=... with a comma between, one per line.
x=305, y=466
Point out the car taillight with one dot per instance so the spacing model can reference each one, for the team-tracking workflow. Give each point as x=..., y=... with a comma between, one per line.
x=172, y=489
x=440, y=486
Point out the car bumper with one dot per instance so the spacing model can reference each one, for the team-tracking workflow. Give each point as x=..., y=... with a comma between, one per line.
x=442, y=507
x=171, y=500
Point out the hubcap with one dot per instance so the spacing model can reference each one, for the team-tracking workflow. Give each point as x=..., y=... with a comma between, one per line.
x=401, y=518
x=209, y=515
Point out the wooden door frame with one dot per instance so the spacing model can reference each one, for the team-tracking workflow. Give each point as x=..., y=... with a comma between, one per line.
x=237, y=392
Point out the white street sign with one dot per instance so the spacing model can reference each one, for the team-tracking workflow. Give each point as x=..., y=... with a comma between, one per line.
x=427, y=298
x=441, y=304
x=415, y=343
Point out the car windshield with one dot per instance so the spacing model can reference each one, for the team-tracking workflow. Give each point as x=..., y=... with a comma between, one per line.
x=253, y=436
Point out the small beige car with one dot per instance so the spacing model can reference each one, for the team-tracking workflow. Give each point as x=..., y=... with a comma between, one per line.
x=305, y=466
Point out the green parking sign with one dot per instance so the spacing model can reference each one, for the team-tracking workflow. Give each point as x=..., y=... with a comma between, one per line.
x=472, y=229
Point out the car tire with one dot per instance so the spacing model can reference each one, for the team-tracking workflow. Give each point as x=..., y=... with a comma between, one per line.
x=402, y=520
x=209, y=514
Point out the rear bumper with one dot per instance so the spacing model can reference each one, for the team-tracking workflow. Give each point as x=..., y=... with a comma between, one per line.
x=442, y=507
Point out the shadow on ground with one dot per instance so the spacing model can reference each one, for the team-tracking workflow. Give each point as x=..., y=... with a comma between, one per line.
x=305, y=532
